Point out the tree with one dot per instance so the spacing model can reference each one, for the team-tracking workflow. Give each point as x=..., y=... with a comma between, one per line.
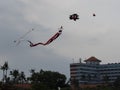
x=15, y=75
x=5, y=68
x=32, y=71
x=49, y=79
x=22, y=77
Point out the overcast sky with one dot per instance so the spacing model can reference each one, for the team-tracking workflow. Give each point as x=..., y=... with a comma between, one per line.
x=97, y=36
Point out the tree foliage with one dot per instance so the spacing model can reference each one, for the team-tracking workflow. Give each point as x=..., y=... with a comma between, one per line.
x=5, y=68
x=49, y=79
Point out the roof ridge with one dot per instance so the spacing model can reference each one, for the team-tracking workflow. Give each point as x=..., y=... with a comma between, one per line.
x=92, y=58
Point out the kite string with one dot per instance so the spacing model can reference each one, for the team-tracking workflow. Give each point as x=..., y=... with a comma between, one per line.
x=26, y=34
x=18, y=41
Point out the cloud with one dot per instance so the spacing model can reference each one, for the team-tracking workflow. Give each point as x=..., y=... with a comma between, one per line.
x=89, y=36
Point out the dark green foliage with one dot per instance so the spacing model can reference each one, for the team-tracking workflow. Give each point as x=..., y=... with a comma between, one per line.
x=4, y=68
x=49, y=79
x=40, y=86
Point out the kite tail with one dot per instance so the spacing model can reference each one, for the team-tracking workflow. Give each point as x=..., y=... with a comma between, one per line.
x=32, y=45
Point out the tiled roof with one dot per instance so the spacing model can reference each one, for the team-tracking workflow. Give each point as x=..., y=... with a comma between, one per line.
x=23, y=85
x=93, y=59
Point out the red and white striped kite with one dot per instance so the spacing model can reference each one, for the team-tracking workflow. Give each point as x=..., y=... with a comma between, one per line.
x=49, y=41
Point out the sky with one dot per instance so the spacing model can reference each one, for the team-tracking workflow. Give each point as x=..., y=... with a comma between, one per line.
x=89, y=36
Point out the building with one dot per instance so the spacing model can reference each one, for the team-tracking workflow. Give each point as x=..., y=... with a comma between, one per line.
x=91, y=72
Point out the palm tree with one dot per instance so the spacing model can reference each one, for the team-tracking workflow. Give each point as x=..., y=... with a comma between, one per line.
x=3, y=69
x=32, y=71
x=15, y=74
x=6, y=69
x=22, y=77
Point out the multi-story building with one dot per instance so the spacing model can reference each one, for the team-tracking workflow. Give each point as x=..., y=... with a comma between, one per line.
x=92, y=72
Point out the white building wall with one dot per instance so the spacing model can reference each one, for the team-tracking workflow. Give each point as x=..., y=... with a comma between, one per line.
x=95, y=70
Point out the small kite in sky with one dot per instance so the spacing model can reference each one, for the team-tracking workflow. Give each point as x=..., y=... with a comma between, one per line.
x=49, y=41
x=74, y=17
x=94, y=14
x=18, y=41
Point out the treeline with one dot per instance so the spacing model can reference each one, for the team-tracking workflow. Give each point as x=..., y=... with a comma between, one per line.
x=45, y=80
x=38, y=80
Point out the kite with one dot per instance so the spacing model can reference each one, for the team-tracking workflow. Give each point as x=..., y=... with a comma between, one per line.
x=49, y=41
x=94, y=14
x=74, y=17
x=21, y=38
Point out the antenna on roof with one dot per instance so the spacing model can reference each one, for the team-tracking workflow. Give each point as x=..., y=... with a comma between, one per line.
x=73, y=60
x=80, y=60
